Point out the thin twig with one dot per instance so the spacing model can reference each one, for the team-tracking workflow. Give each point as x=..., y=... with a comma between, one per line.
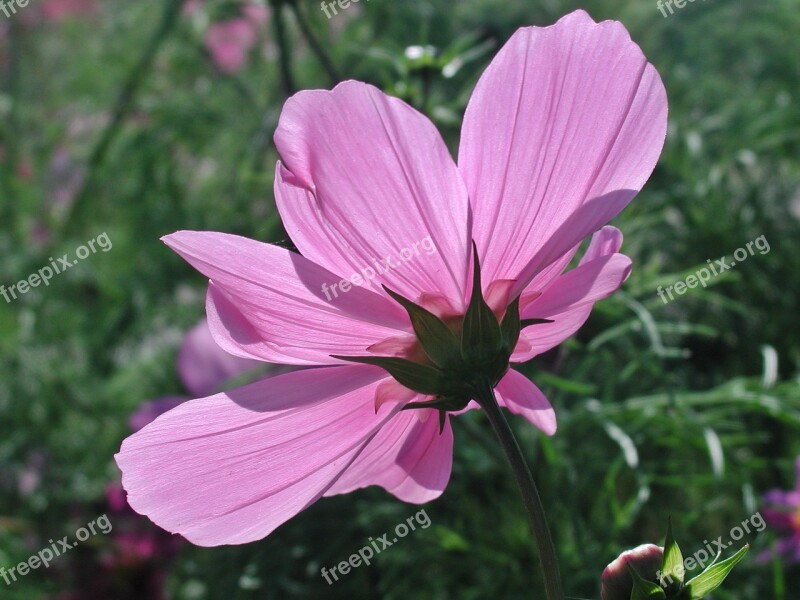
x=279, y=24
x=316, y=46
x=127, y=93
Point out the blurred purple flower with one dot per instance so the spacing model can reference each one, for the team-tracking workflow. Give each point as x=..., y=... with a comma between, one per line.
x=58, y=10
x=30, y=477
x=134, y=562
x=230, y=41
x=130, y=564
x=781, y=511
x=202, y=366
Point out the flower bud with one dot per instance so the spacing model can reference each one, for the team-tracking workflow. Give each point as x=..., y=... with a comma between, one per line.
x=617, y=581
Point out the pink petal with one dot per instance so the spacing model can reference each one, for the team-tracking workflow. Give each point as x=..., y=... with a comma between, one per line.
x=569, y=300
x=391, y=391
x=231, y=468
x=408, y=457
x=519, y=395
x=368, y=178
x=203, y=366
x=268, y=303
x=606, y=241
x=564, y=115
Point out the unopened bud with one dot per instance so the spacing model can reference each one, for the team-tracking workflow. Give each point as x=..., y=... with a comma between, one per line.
x=617, y=582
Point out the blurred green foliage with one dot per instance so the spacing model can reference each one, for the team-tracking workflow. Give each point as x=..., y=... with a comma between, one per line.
x=663, y=409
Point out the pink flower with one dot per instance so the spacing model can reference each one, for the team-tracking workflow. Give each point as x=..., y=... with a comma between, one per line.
x=563, y=129
x=58, y=10
x=202, y=366
x=229, y=43
x=781, y=511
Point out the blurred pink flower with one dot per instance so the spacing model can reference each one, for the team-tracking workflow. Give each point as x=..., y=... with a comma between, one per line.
x=781, y=511
x=562, y=130
x=192, y=7
x=30, y=478
x=58, y=10
x=202, y=367
x=130, y=562
x=230, y=41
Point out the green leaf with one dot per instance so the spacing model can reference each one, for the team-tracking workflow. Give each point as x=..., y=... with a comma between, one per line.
x=481, y=337
x=420, y=378
x=510, y=327
x=672, y=569
x=437, y=340
x=643, y=589
x=713, y=576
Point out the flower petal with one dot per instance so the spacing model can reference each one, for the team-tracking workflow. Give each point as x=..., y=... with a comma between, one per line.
x=519, y=395
x=231, y=468
x=367, y=178
x=271, y=304
x=564, y=115
x=568, y=301
x=408, y=458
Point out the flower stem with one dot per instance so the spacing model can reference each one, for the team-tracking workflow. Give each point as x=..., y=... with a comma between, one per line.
x=527, y=487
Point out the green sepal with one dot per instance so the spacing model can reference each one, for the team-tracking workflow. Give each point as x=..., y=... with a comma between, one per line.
x=510, y=327
x=437, y=340
x=423, y=379
x=672, y=569
x=481, y=338
x=713, y=576
x=528, y=322
x=643, y=589
x=446, y=403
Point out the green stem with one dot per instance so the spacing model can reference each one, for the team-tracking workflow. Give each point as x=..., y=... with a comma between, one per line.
x=125, y=99
x=527, y=487
x=284, y=52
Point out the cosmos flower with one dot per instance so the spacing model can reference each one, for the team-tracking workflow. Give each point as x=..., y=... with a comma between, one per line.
x=563, y=129
x=781, y=511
